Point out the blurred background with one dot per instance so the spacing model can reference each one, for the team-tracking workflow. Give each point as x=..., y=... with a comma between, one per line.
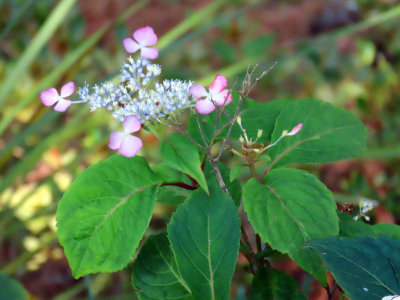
x=346, y=52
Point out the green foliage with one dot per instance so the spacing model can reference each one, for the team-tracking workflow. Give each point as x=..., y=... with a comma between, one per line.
x=11, y=289
x=204, y=234
x=273, y=284
x=180, y=153
x=155, y=272
x=329, y=133
x=103, y=216
x=365, y=267
x=350, y=228
x=289, y=208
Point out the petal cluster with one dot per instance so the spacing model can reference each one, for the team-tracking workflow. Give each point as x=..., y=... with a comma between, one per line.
x=217, y=95
x=50, y=97
x=142, y=39
x=127, y=144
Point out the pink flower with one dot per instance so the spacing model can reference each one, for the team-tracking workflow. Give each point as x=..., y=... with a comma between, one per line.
x=51, y=96
x=217, y=94
x=295, y=129
x=144, y=37
x=125, y=143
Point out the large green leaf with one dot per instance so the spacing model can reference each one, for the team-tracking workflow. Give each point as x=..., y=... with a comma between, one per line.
x=11, y=289
x=273, y=284
x=329, y=133
x=103, y=215
x=204, y=234
x=289, y=208
x=365, y=267
x=155, y=272
x=181, y=154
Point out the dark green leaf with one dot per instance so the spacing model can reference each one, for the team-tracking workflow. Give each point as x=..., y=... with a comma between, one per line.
x=273, y=284
x=155, y=272
x=225, y=51
x=235, y=172
x=365, y=267
x=204, y=234
x=329, y=133
x=291, y=207
x=103, y=215
x=258, y=46
x=180, y=153
x=11, y=289
x=172, y=195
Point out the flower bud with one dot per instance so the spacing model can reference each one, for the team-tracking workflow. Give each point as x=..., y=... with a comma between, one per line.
x=259, y=133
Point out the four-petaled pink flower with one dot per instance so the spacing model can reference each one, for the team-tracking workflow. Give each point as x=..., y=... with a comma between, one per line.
x=125, y=143
x=51, y=96
x=144, y=37
x=217, y=94
x=295, y=129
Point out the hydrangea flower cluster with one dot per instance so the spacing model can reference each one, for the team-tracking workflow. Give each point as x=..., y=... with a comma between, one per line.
x=138, y=98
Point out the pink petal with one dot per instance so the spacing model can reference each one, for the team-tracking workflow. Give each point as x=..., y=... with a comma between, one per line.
x=223, y=98
x=130, y=45
x=145, y=36
x=198, y=91
x=149, y=53
x=295, y=129
x=131, y=124
x=67, y=89
x=130, y=146
x=62, y=105
x=204, y=107
x=115, y=140
x=219, y=83
x=49, y=96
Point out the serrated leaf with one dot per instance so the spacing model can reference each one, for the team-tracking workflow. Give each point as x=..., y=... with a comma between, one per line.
x=155, y=272
x=365, y=267
x=11, y=289
x=273, y=284
x=204, y=233
x=329, y=133
x=104, y=214
x=181, y=154
x=289, y=208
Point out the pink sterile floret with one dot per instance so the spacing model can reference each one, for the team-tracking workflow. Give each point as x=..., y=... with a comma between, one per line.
x=51, y=96
x=125, y=143
x=295, y=129
x=217, y=93
x=143, y=37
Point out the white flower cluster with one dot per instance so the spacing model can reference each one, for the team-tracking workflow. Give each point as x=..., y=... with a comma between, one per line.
x=135, y=95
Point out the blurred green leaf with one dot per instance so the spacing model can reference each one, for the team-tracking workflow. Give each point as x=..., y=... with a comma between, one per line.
x=225, y=51
x=11, y=289
x=258, y=46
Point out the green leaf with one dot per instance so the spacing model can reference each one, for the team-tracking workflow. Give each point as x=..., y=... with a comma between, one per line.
x=11, y=289
x=350, y=228
x=172, y=195
x=235, y=172
x=291, y=207
x=204, y=234
x=104, y=214
x=181, y=154
x=329, y=133
x=155, y=272
x=273, y=284
x=365, y=267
